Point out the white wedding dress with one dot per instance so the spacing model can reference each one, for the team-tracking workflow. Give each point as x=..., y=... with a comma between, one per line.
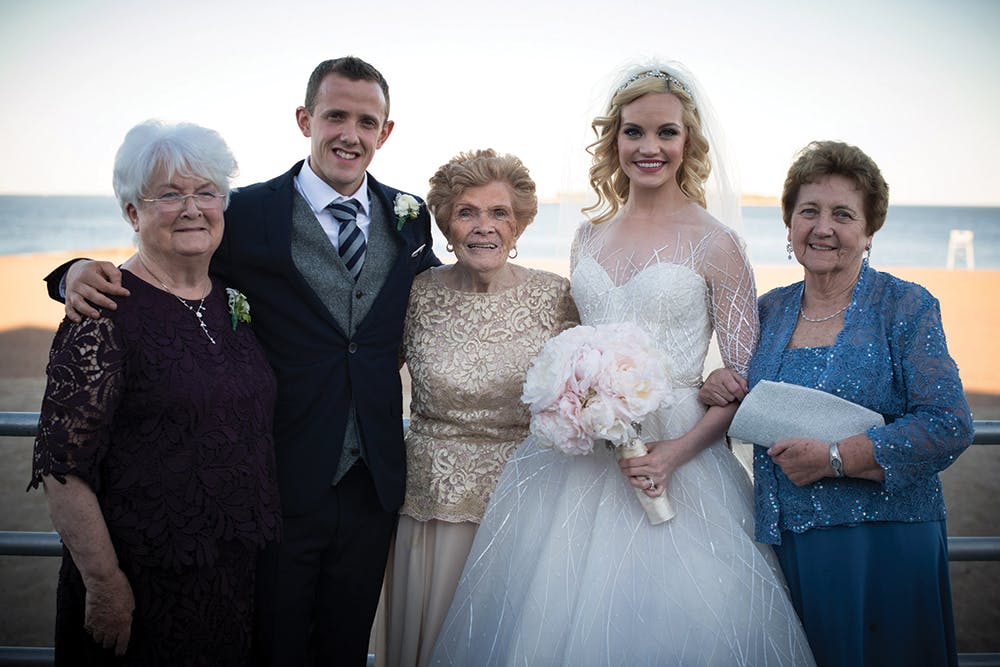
x=565, y=568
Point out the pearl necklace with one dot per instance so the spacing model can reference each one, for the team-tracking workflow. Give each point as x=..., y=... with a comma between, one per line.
x=201, y=305
x=803, y=315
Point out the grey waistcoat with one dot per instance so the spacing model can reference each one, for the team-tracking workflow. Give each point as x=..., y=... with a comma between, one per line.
x=348, y=302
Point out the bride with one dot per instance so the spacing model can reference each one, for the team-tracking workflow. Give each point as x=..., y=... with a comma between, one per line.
x=565, y=568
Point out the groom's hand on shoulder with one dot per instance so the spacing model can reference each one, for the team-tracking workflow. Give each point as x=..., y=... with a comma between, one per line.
x=90, y=286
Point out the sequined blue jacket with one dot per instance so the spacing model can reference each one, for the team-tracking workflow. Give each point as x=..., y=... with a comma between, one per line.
x=890, y=357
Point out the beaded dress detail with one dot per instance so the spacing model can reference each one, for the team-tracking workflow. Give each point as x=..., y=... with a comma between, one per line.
x=566, y=569
x=891, y=357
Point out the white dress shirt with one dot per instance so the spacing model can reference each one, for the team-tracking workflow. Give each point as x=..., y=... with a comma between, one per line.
x=319, y=195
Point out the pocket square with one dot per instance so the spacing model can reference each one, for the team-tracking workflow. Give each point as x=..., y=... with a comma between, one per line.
x=417, y=251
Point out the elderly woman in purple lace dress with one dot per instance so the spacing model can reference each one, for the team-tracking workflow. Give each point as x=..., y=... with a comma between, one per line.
x=858, y=525
x=154, y=444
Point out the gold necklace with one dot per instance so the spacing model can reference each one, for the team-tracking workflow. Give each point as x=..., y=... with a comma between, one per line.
x=201, y=305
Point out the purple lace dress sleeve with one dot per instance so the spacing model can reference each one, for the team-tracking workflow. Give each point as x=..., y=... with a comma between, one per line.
x=173, y=434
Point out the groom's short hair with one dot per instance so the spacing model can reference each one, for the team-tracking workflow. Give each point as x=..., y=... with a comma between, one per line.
x=349, y=67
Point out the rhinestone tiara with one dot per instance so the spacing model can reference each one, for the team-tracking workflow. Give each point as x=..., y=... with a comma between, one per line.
x=657, y=74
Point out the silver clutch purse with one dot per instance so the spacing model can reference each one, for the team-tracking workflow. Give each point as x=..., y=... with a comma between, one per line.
x=774, y=411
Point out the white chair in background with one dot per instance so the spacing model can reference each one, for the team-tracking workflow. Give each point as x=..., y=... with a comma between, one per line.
x=960, y=241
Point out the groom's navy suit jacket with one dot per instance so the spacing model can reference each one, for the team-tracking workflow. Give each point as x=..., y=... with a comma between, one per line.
x=320, y=367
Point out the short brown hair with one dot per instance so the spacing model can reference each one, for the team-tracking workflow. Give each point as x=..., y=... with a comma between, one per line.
x=348, y=67
x=826, y=158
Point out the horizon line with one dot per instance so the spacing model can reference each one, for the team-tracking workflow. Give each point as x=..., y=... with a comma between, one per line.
x=746, y=200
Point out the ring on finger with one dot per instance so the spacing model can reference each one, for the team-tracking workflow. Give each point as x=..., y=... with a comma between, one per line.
x=652, y=484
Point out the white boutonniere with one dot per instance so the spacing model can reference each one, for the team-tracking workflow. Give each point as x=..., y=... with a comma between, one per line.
x=406, y=208
x=239, y=307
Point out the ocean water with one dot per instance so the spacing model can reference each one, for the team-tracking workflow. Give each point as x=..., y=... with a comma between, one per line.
x=30, y=223
x=911, y=236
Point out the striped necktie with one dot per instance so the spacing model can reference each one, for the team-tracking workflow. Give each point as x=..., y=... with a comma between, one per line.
x=350, y=240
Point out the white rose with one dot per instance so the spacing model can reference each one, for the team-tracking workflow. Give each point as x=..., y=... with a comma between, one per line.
x=406, y=206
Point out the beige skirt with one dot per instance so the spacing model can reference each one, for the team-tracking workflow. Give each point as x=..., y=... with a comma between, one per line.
x=424, y=567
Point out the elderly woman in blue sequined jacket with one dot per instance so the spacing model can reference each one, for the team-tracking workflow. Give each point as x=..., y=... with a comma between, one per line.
x=858, y=525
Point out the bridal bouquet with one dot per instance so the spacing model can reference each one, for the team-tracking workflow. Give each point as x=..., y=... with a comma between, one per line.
x=597, y=383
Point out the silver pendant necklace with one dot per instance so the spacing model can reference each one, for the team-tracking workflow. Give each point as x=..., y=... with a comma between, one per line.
x=201, y=304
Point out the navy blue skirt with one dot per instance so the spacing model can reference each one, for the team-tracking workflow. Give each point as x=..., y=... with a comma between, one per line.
x=873, y=593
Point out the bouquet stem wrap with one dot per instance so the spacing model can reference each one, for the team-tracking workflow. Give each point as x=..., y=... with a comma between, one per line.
x=658, y=510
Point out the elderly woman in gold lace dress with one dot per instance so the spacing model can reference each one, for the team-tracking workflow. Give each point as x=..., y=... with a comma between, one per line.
x=471, y=331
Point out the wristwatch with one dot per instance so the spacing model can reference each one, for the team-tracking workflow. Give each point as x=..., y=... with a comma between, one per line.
x=835, y=461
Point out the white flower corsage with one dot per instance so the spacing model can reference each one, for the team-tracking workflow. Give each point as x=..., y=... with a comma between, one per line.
x=239, y=307
x=406, y=208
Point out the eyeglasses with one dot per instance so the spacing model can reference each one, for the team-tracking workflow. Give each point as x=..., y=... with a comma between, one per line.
x=175, y=201
x=495, y=214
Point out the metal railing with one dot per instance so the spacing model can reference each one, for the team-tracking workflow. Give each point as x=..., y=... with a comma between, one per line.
x=16, y=543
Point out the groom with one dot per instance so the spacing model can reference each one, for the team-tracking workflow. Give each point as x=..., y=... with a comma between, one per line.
x=331, y=327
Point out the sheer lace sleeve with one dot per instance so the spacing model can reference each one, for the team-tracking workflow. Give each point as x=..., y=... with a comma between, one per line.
x=937, y=424
x=733, y=300
x=577, y=246
x=85, y=378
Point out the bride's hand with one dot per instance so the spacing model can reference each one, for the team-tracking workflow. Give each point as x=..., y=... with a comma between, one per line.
x=657, y=467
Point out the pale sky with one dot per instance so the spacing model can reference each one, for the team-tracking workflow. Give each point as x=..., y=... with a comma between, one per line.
x=913, y=82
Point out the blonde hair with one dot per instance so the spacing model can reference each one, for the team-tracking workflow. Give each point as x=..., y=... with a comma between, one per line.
x=606, y=175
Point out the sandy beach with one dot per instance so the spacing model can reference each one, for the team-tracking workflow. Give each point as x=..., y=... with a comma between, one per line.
x=971, y=320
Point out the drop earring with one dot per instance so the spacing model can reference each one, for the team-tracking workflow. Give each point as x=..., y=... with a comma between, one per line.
x=788, y=249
